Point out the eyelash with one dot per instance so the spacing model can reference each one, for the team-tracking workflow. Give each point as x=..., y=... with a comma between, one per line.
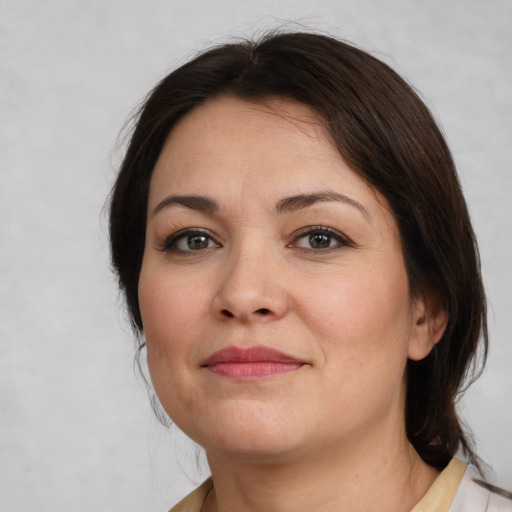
x=309, y=231
x=170, y=244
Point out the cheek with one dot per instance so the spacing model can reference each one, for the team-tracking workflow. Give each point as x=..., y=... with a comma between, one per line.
x=171, y=319
x=172, y=316
x=364, y=332
x=169, y=304
x=365, y=315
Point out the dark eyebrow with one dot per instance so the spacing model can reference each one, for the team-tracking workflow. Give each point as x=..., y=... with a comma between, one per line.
x=300, y=201
x=200, y=203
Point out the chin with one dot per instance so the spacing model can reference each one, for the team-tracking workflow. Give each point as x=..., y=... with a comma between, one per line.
x=262, y=450
x=252, y=437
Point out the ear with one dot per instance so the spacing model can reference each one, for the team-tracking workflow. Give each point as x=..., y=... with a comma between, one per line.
x=428, y=324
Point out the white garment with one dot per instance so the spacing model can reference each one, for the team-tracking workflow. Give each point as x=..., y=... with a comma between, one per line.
x=472, y=497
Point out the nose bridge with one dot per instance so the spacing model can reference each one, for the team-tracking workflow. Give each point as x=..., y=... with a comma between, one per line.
x=252, y=282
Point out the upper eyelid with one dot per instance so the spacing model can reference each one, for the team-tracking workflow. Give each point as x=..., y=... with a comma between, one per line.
x=317, y=227
x=167, y=241
x=307, y=230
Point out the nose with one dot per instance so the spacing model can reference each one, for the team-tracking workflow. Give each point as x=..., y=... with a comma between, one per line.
x=251, y=289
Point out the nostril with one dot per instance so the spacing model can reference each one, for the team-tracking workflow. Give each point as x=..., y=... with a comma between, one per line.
x=261, y=311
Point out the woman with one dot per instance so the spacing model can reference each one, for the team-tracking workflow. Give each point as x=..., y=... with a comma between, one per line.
x=294, y=247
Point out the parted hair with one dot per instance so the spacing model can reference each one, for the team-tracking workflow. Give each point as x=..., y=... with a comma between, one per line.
x=386, y=134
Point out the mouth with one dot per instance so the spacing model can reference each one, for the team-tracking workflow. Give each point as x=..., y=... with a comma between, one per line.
x=252, y=363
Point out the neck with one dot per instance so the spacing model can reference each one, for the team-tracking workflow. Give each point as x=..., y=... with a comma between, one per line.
x=364, y=477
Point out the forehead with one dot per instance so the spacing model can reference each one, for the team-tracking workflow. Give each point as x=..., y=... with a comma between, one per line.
x=271, y=112
x=231, y=128
x=268, y=143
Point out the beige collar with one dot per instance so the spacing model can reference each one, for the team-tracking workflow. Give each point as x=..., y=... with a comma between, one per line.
x=440, y=496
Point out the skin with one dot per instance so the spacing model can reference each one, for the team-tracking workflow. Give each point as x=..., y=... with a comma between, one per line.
x=329, y=435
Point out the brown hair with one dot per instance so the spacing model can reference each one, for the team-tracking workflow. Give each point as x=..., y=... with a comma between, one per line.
x=387, y=136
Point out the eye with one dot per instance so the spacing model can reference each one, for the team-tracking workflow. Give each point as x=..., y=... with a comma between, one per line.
x=320, y=238
x=189, y=240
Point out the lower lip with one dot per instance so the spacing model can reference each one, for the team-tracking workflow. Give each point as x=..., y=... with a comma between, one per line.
x=253, y=370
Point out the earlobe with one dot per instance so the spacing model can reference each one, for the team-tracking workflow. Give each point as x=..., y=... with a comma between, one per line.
x=428, y=326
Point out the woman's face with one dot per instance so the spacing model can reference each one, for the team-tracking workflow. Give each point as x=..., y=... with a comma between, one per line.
x=273, y=290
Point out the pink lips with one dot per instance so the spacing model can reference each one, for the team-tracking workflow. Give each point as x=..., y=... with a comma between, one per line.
x=251, y=364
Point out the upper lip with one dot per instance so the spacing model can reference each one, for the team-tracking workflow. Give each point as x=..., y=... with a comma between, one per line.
x=258, y=353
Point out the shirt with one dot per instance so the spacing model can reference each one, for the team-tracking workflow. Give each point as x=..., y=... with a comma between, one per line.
x=454, y=490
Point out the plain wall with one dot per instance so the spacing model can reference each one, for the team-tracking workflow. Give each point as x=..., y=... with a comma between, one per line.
x=76, y=429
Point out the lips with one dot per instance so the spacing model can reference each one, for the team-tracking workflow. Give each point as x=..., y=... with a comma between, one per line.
x=251, y=364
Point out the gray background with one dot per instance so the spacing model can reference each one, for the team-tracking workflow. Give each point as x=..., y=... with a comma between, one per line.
x=76, y=429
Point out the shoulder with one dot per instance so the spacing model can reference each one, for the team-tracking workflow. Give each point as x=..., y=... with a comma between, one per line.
x=194, y=501
x=472, y=496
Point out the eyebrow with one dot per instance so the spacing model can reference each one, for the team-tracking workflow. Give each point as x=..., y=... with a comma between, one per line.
x=301, y=201
x=199, y=203
x=285, y=205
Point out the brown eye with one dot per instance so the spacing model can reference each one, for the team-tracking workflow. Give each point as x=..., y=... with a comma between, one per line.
x=319, y=241
x=189, y=241
x=196, y=242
